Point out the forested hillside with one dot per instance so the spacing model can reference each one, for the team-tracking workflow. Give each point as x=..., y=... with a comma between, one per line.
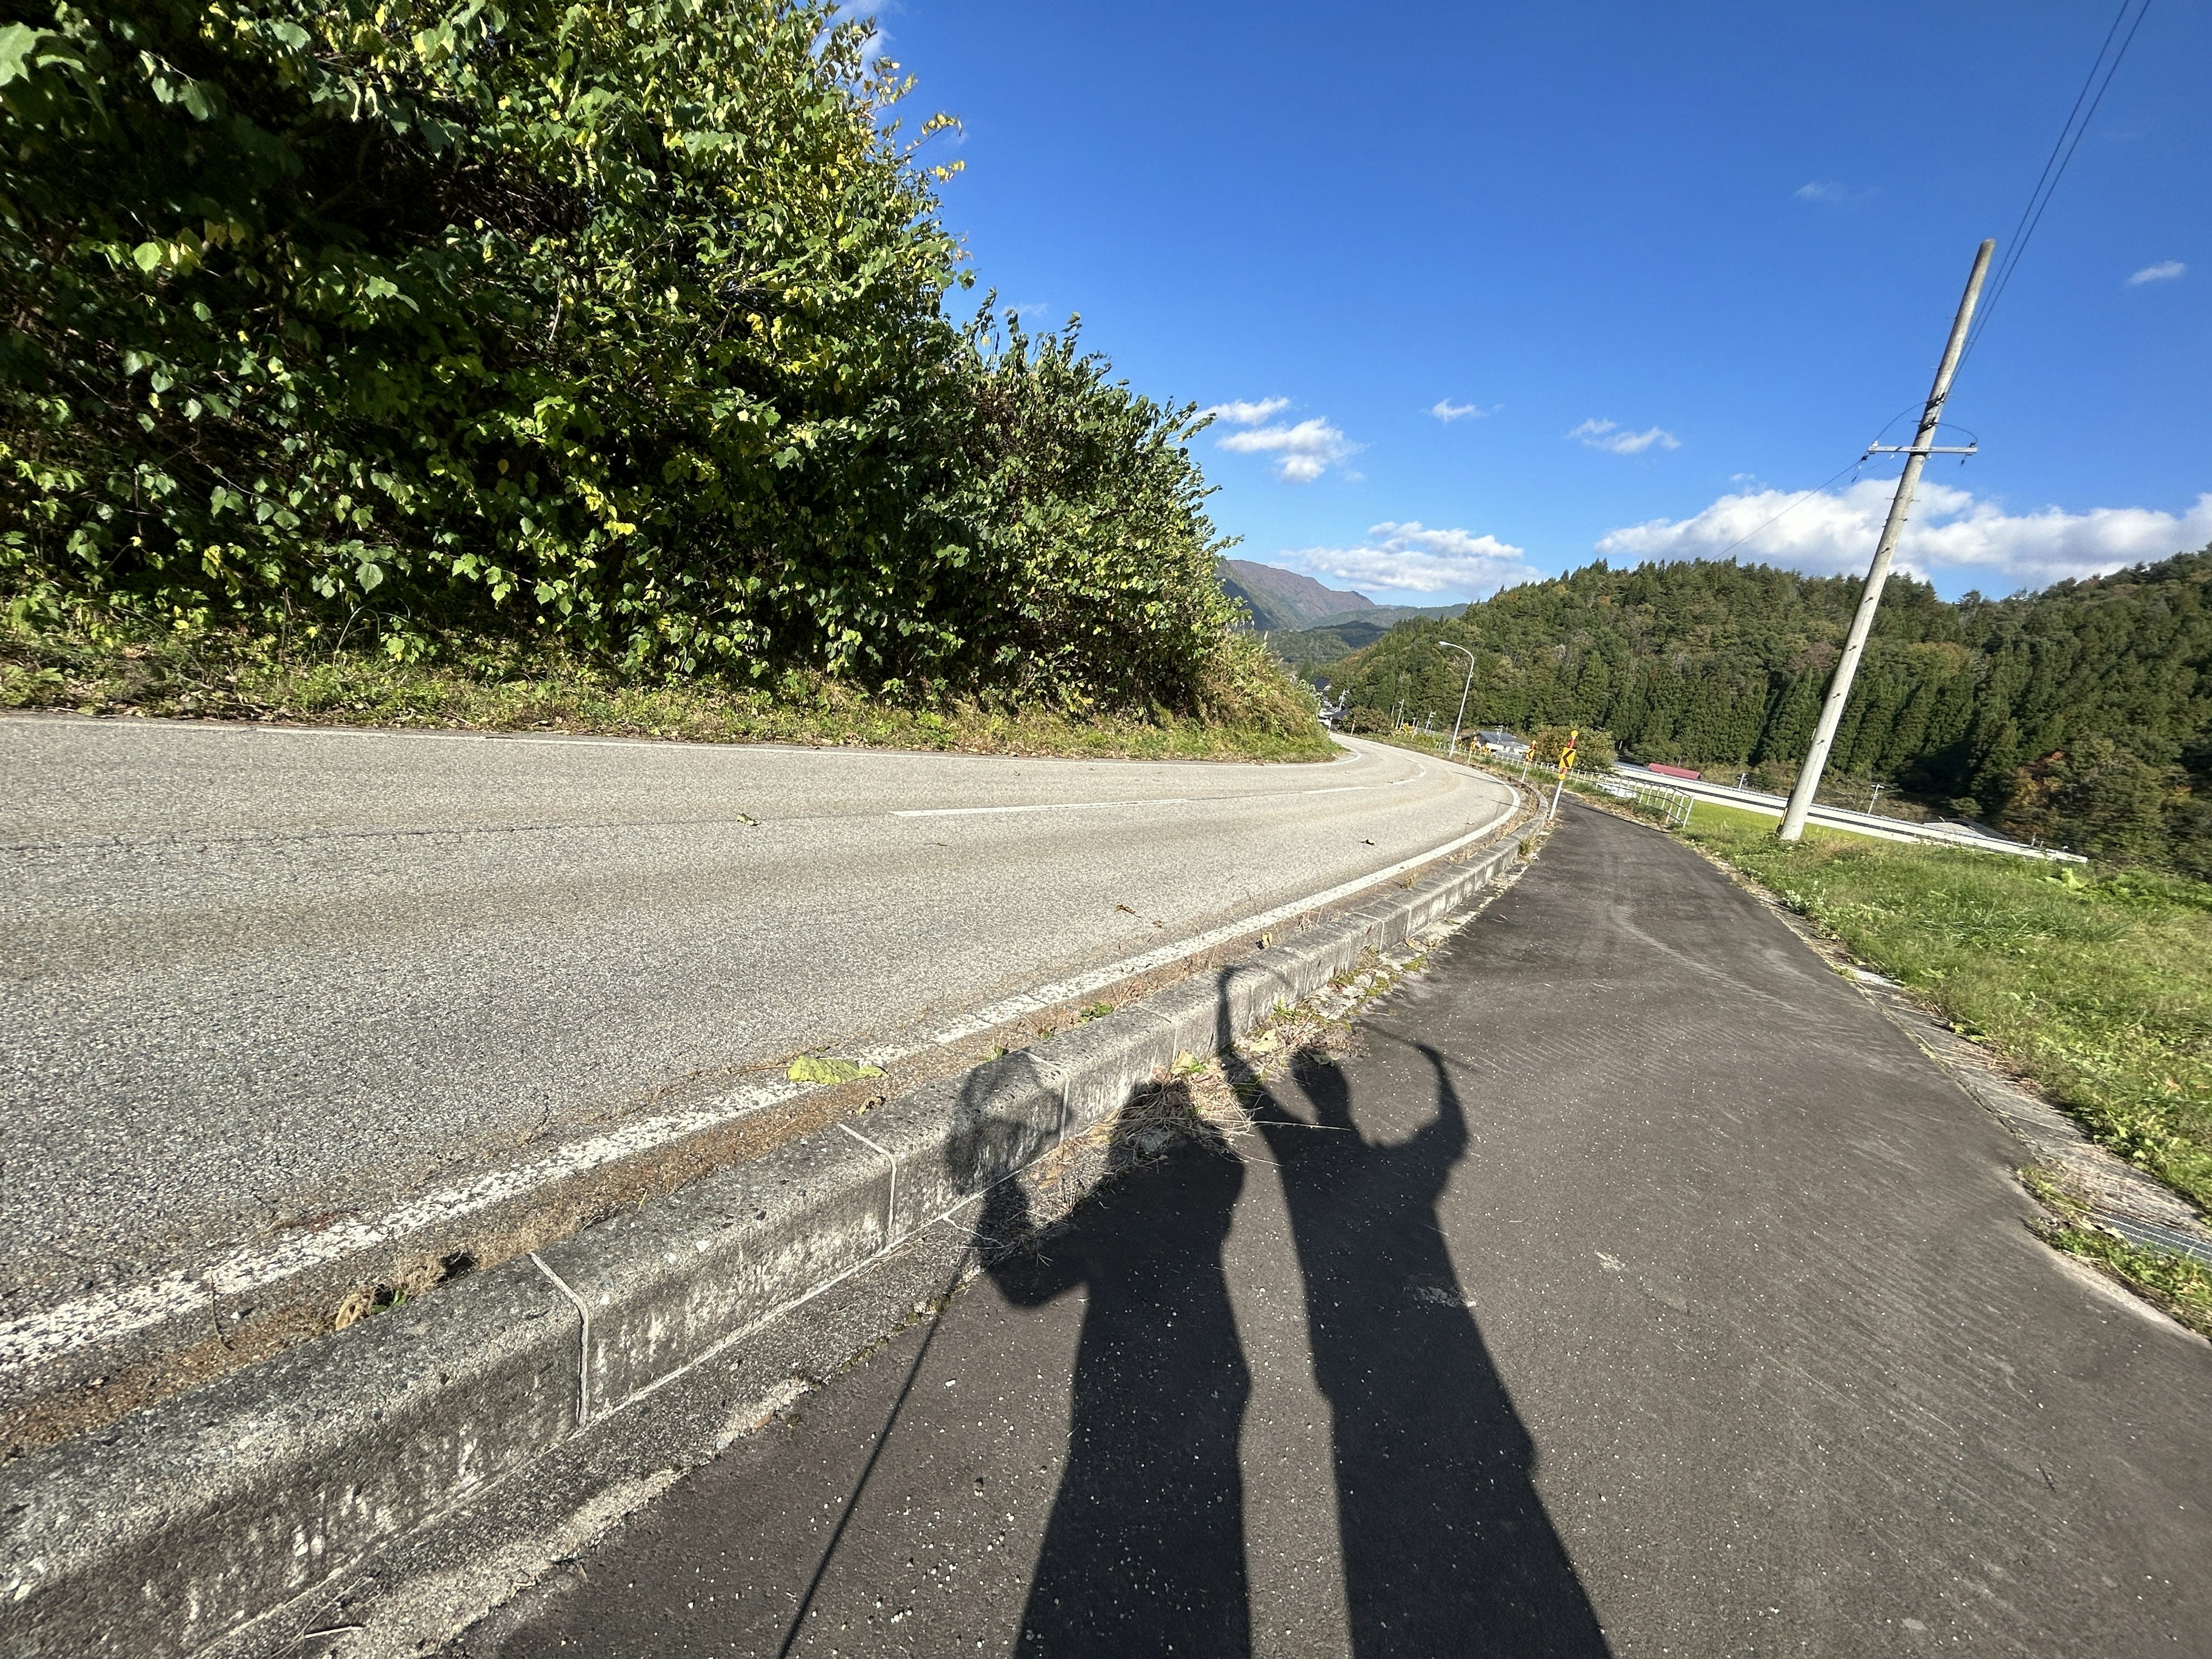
x=618, y=332
x=2082, y=713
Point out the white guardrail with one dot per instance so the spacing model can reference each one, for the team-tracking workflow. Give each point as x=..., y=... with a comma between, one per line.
x=1661, y=797
x=1637, y=778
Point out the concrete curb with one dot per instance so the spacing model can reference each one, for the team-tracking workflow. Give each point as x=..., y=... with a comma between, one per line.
x=183, y=1522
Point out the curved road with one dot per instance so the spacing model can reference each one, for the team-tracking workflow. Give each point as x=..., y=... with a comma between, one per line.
x=252, y=973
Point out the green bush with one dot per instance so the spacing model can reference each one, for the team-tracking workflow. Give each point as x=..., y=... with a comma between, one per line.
x=619, y=328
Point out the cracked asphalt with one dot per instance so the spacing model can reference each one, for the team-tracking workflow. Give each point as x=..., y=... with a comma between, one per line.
x=1642, y=1290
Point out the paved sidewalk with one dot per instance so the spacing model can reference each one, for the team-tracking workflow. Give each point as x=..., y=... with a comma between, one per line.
x=1642, y=1291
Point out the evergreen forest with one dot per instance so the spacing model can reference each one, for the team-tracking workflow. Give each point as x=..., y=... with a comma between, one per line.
x=2081, y=714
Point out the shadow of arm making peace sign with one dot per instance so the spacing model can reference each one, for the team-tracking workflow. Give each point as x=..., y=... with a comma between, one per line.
x=1447, y=1547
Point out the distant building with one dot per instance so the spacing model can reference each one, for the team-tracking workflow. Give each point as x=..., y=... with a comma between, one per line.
x=1498, y=741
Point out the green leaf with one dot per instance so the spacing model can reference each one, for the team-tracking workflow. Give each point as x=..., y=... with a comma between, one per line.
x=17, y=41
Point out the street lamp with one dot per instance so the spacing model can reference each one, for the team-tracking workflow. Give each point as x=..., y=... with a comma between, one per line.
x=1446, y=645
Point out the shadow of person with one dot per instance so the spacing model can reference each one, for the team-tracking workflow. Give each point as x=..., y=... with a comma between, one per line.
x=1447, y=1547
x=1145, y=1550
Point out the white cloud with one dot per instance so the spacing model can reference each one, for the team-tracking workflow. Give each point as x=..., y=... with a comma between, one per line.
x=1412, y=558
x=2164, y=271
x=1448, y=411
x=1608, y=435
x=1247, y=414
x=1303, y=453
x=870, y=12
x=1950, y=530
x=1828, y=190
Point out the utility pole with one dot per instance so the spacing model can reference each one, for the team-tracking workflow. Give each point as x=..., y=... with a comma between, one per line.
x=1446, y=645
x=1872, y=798
x=1900, y=508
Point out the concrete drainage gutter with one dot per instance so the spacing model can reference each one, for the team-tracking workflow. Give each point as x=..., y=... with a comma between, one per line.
x=183, y=1522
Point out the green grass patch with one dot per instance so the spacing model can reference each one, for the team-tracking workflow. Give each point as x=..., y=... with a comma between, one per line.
x=2179, y=1285
x=2098, y=984
x=1253, y=713
x=2182, y=1288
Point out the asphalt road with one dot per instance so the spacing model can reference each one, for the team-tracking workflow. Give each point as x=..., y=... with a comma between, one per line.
x=252, y=974
x=1642, y=1291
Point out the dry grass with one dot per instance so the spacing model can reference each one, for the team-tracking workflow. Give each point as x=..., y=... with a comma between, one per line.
x=1250, y=708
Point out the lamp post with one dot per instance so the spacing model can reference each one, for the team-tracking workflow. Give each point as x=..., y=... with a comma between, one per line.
x=1446, y=645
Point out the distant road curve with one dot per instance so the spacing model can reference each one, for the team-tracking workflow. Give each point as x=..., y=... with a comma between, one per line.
x=254, y=974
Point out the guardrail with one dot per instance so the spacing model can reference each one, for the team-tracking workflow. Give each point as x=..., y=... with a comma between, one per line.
x=1842, y=818
x=1674, y=803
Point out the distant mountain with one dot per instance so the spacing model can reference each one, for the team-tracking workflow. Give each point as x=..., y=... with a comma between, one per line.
x=1283, y=601
x=1387, y=615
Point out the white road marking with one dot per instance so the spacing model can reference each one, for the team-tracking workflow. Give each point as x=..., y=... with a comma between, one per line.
x=1039, y=806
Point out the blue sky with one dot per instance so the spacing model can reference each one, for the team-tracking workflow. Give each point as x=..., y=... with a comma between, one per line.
x=1673, y=265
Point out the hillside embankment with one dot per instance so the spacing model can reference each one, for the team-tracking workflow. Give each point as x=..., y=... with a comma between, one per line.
x=581, y=366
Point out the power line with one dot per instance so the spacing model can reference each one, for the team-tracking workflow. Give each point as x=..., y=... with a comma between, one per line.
x=2061, y=157
x=1857, y=461
x=2031, y=216
x=1792, y=507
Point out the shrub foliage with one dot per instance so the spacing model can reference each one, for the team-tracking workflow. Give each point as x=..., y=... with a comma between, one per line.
x=618, y=327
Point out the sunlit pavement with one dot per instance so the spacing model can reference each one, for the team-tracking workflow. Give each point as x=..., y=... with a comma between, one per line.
x=1641, y=1290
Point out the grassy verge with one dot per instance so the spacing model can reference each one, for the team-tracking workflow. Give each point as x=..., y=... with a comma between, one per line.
x=2182, y=1288
x=1252, y=715
x=2097, y=985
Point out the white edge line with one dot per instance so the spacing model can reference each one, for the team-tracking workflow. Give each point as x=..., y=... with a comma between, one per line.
x=39, y=1337
x=1039, y=806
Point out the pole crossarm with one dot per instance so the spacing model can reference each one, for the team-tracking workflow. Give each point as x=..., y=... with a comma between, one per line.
x=1924, y=449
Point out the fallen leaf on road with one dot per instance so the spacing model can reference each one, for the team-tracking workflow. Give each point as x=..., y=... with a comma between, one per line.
x=818, y=1068
x=744, y=817
x=1125, y=908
